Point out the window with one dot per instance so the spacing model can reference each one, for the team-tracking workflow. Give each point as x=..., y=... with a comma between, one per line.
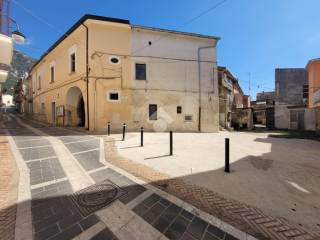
x=153, y=111
x=73, y=62
x=305, y=91
x=43, y=108
x=179, y=110
x=39, y=82
x=114, y=60
x=141, y=73
x=188, y=118
x=113, y=96
x=52, y=73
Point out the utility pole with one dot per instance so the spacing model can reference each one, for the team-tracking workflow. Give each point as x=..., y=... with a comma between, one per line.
x=249, y=83
x=1, y=9
x=8, y=17
x=5, y=17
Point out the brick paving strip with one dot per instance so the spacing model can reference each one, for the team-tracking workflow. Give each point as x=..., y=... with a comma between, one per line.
x=246, y=218
x=9, y=176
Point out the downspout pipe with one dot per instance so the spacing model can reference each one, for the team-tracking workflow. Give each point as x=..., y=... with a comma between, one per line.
x=87, y=73
x=199, y=82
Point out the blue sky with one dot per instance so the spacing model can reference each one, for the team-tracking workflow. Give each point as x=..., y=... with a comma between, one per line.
x=256, y=36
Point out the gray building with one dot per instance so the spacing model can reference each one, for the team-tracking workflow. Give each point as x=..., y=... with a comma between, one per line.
x=266, y=98
x=291, y=99
x=263, y=109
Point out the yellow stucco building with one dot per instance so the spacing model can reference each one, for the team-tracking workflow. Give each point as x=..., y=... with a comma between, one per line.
x=313, y=68
x=107, y=70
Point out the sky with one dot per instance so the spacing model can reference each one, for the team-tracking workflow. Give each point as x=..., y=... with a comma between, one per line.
x=257, y=36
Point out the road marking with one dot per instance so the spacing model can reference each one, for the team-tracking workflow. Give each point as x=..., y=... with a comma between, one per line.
x=91, y=150
x=97, y=169
x=80, y=141
x=40, y=159
x=295, y=185
x=48, y=183
x=35, y=147
x=29, y=140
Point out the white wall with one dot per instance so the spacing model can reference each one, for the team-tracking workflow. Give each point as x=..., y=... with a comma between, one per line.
x=7, y=100
x=172, y=77
x=282, y=117
x=310, y=119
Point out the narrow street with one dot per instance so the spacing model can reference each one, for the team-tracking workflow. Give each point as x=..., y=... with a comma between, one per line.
x=67, y=190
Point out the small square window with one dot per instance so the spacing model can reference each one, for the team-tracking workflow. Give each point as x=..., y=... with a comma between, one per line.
x=188, y=118
x=153, y=112
x=113, y=96
x=73, y=62
x=141, y=71
x=179, y=110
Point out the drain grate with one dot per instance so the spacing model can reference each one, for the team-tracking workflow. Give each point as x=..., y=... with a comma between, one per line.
x=97, y=196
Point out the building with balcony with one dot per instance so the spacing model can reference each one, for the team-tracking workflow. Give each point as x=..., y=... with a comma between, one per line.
x=226, y=96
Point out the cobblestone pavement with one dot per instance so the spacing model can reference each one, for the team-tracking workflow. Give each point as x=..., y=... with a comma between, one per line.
x=75, y=194
x=8, y=186
x=248, y=219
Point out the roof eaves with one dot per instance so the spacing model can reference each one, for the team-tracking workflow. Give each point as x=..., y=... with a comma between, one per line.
x=176, y=32
x=312, y=60
x=74, y=27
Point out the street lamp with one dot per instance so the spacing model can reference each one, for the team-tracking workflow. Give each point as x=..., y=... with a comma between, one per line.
x=18, y=37
x=6, y=47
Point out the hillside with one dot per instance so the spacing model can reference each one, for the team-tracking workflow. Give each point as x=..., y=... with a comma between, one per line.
x=21, y=64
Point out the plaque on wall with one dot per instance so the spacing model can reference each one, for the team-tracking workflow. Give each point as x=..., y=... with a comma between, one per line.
x=60, y=111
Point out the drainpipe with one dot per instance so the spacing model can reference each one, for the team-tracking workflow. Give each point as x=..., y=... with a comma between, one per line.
x=87, y=72
x=199, y=81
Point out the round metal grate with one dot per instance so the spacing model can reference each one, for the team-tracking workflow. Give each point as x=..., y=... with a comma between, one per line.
x=97, y=195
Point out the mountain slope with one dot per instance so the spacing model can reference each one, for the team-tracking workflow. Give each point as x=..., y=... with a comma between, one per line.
x=20, y=65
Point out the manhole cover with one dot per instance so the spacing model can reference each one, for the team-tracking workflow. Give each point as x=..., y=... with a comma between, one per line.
x=97, y=196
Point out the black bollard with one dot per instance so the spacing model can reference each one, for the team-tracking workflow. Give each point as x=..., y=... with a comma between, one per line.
x=141, y=136
x=123, y=132
x=227, y=155
x=171, y=143
x=109, y=128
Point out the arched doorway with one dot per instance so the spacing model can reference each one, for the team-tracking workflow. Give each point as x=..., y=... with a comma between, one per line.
x=81, y=112
x=75, y=108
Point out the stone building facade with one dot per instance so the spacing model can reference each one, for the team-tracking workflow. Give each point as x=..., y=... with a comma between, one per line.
x=291, y=102
x=107, y=70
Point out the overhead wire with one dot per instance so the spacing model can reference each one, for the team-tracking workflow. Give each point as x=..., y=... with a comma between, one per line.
x=185, y=24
